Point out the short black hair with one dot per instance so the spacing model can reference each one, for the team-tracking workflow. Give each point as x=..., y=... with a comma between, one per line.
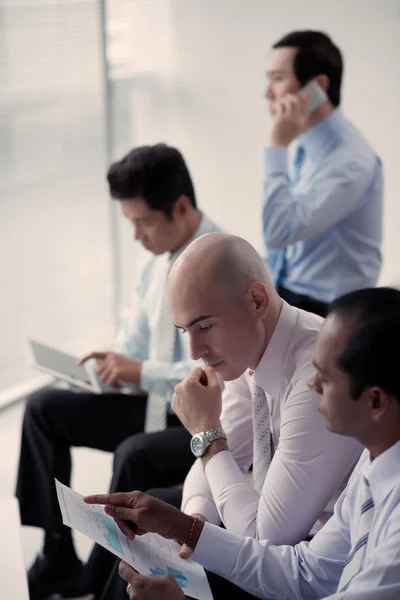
x=370, y=356
x=158, y=174
x=317, y=55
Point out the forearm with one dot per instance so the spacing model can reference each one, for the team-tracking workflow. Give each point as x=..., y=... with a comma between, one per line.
x=197, y=496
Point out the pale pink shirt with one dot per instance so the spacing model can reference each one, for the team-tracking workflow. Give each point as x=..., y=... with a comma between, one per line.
x=310, y=466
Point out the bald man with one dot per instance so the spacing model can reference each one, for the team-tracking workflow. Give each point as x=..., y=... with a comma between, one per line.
x=222, y=297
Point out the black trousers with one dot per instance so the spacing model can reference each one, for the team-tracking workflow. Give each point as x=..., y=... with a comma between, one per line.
x=55, y=420
x=305, y=302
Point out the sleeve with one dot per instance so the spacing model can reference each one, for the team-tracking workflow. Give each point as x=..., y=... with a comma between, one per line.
x=236, y=420
x=338, y=190
x=298, y=485
x=133, y=341
x=266, y=571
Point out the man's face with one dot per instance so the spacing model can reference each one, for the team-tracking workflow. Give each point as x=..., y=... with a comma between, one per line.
x=152, y=228
x=221, y=330
x=341, y=412
x=280, y=75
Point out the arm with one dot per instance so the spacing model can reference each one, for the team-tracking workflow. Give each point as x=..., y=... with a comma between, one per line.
x=133, y=342
x=337, y=191
x=308, y=467
x=266, y=571
x=236, y=420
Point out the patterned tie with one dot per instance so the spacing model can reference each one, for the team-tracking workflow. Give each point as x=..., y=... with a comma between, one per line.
x=261, y=435
x=165, y=332
x=356, y=556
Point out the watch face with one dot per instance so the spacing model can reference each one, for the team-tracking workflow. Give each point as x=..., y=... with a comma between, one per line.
x=197, y=445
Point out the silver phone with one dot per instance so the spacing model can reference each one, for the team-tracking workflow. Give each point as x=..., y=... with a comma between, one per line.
x=316, y=95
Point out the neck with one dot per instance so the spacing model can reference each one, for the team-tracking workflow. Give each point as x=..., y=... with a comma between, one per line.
x=193, y=220
x=383, y=442
x=269, y=326
x=319, y=114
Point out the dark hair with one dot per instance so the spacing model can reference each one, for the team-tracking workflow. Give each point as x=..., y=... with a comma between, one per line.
x=157, y=174
x=370, y=356
x=317, y=55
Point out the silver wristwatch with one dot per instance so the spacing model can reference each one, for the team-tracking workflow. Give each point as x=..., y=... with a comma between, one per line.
x=201, y=441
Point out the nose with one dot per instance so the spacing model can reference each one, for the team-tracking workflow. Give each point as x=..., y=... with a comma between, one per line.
x=197, y=350
x=268, y=93
x=136, y=232
x=312, y=382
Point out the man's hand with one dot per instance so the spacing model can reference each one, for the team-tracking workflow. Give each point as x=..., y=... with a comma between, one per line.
x=289, y=119
x=197, y=400
x=115, y=368
x=149, y=587
x=149, y=514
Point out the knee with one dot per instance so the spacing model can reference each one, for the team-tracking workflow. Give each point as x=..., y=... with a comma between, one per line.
x=38, y=403
x=135, y=449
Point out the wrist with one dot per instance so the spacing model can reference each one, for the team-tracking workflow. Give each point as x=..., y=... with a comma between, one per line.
x=213, y=449
x=187, y=530
x=206, y=426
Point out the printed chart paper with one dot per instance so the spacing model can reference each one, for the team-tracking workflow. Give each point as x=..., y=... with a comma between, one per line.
x=148, y=554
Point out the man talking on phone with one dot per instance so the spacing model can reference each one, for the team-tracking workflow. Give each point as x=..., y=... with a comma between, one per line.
x=322, y=182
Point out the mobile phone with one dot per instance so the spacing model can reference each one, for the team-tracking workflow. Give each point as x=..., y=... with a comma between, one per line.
x=316, y=95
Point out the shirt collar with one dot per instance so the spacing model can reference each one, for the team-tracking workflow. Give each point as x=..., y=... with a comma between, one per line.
x=383, y=473
x=204, y=227
x=316, y=139
x=269, y=371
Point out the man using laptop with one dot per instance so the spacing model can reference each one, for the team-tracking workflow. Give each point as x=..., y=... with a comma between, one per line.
x=151, y=448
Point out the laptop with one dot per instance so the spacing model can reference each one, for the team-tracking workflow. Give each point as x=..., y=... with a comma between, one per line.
x=62, y=366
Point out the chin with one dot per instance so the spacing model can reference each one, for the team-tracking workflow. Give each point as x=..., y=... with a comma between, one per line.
x=227, y=374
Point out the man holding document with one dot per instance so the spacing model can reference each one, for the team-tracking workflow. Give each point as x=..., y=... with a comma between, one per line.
x=356, y=555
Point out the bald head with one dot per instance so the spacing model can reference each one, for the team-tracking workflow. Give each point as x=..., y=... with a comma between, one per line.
x=217, y=259
x=220, y=293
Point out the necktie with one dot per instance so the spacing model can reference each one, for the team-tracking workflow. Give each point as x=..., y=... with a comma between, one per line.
x=283, y=256
x=356, y=556
x=261, y=435
x=298, y=163
x=165, y=336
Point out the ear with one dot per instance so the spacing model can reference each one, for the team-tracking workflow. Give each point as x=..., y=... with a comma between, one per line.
x=258, y=299
x=182, y=206
x=323, y=81
x=379, y=403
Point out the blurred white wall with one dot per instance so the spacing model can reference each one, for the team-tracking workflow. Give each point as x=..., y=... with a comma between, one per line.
x=201, y=90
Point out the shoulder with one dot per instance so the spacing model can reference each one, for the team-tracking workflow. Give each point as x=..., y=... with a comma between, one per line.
x=351, y=148
x=149, y=268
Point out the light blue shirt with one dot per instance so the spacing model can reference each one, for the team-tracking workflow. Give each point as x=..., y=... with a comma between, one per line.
x=137, y=336
x=323, y=233
x=312, y=570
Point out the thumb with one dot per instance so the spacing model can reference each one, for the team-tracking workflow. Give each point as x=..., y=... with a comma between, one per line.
x=213, y=379
x=185, y=551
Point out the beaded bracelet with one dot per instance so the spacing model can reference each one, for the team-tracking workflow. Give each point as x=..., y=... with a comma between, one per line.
x=189, y=538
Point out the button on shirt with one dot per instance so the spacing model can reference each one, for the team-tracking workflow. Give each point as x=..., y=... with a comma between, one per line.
x=310, y=465
x=137, y=336
x=310, y=571
x=322, y=218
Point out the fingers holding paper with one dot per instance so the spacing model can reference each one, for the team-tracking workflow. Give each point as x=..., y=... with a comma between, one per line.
x=148, y=587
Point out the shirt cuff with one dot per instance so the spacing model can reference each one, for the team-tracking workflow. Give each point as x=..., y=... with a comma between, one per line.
x=217, y=550
x=222, y=471
x=275, y=160
x=202, y=506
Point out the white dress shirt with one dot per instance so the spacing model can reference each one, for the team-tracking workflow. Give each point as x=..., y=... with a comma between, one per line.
x=310, y=466
x=312, y=570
